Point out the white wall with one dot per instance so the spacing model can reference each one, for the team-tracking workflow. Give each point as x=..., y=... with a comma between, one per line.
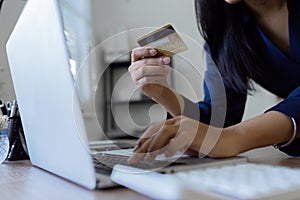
x=8, y=16
x=115, y=16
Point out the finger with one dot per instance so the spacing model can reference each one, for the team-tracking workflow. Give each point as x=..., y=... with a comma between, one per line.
x=149, y=133
x=150, y=156
x=146, y=71
x=162, y=138
x=161, y=141
x=143, y=150
x=152, y=131
x=184, y=138
x=139, y=154
x=163, y=60
x=142, y=52
x=157, y=80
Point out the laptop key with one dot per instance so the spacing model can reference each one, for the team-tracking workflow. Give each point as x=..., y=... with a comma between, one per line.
x=109, y=160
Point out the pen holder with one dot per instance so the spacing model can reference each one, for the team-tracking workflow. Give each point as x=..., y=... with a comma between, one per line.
x=15, y=134
x=4, y=147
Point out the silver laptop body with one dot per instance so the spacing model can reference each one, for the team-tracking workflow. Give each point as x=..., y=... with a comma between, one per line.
x=44, y=87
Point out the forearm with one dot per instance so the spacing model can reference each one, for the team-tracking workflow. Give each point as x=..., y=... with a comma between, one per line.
x=268, y=129
x=171, y=101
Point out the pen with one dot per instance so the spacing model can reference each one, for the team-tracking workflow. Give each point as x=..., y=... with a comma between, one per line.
x=13, y=109
x=3, y=109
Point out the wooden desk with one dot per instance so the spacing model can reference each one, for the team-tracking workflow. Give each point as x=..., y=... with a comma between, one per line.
x=21, y=181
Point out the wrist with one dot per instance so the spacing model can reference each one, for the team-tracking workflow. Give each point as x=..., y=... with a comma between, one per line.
x=171, y=101
x=228, y=144
x=264, y=130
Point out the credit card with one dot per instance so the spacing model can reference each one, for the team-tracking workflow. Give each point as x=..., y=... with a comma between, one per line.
x=165, y=40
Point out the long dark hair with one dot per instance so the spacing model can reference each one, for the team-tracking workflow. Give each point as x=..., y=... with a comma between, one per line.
x=222, y=27
x=1, y=2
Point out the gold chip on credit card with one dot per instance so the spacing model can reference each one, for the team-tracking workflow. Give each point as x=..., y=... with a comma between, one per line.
x=165, y=40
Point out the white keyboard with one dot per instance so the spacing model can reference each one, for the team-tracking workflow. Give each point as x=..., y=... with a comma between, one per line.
x=241, y=181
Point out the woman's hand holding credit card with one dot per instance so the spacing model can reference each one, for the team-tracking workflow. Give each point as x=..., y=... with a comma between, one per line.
x=150, y=62
x=149, y=70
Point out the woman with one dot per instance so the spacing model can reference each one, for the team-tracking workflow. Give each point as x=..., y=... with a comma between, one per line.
x=245, y=40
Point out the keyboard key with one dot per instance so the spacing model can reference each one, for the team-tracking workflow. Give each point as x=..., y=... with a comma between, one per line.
x=243, y=181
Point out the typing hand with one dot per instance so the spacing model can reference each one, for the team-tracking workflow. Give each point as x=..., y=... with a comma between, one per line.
x=167, y=137
x=189, y=136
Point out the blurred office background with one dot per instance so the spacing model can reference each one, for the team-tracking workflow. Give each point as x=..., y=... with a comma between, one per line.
x=108, y=29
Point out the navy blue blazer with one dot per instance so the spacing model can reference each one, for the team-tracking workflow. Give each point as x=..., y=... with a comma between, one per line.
x=280, y=74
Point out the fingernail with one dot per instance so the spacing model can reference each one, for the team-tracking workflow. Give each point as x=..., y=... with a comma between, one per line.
x=166, y=60
x=152, y=52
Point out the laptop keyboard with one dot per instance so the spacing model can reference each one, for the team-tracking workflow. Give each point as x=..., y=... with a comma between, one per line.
x=105, y=162
x=244, y=181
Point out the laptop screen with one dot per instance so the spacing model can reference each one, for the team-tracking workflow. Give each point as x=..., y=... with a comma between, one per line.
x=112, y=105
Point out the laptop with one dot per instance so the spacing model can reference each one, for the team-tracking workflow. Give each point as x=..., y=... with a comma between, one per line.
x=51, y=113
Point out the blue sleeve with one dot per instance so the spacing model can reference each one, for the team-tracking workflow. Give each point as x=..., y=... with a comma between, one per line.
x=222, y=106
x=291, y=107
